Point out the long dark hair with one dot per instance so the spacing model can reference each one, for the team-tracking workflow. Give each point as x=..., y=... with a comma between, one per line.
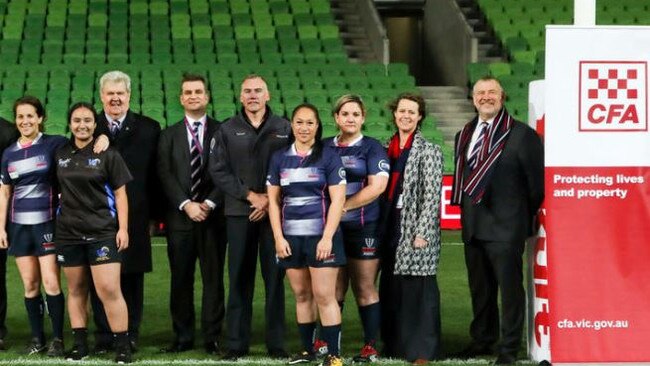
x=317, y=149
x=76, y=106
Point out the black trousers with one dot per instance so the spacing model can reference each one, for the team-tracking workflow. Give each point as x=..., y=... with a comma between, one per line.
x=410, y=314
x=207, y=243
x=132, y=285
x=494, y=267
x=3, y=292
x=245, y=239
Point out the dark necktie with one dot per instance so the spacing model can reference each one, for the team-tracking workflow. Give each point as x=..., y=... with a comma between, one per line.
x=115, y=127
x=473, y=158
x=195, y=162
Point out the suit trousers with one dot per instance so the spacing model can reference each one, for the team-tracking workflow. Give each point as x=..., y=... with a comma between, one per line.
x=206, y=241
x=132, y=286
x=494, y=267
x=3, y=292
x=245, y=239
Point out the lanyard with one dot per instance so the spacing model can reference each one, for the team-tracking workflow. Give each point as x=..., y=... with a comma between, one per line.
x=195, y=136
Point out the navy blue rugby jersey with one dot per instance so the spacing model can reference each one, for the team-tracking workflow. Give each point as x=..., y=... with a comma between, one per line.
x=29, y=169
x=305, y=197
x=363, y=157
x=87, y=180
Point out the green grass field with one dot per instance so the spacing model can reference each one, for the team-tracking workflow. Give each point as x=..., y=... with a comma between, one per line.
x=156, y=331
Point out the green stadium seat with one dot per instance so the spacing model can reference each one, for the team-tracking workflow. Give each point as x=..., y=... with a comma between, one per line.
x=499, y=69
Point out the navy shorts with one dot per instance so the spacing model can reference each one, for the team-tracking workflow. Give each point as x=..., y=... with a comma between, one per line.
x=361, y=241
x=31, y=240
x=303, y=252
x=100, y=252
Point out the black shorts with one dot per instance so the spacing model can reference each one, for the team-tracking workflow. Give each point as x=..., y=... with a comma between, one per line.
x=31, y=240
x=361, y=241
x=303, y=249
x=100, y=252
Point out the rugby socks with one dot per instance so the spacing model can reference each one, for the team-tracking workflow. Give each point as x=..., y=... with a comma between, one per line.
x=370, y=319
x=307, y=333
x=56, y=308
x=80, y=337
x=122, y=340
x=332, y=335
x=34, y=306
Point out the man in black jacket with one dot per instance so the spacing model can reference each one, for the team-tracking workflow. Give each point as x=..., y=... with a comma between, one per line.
x=239, y=157
x=499, y=183
x=136, y=138
x=195, y=221
x=8, y=134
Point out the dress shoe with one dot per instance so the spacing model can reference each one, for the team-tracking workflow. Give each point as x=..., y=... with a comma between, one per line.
x=234, y=355
x=472, y=351
x=278, y=353
x=177, y=347
x=3, y=347
x=505, y=359
x=212, y=348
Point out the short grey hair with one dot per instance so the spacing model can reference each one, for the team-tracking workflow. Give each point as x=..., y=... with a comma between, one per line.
x=115, y=77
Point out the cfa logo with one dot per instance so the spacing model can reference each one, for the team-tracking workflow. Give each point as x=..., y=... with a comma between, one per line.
x=613, y=96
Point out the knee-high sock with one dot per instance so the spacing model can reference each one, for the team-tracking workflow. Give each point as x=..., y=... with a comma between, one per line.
x=56, y=308
x=34, y=306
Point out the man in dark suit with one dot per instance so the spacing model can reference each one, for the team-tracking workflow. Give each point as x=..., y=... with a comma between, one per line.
x=195, y=221
x=8, y=134
x=499, y=183
x=136, y=138
x=239, y=157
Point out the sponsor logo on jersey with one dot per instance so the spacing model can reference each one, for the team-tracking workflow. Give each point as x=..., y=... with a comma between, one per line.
x=383, y=165
x=94, y=162
x=63, y=163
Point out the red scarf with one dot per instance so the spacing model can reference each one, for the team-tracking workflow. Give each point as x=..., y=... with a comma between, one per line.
x=394, y=153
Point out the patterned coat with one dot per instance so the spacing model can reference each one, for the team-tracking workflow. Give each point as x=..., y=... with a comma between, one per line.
x=421, y=210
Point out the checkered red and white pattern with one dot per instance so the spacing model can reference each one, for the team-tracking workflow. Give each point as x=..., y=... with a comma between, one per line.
x=607, y=90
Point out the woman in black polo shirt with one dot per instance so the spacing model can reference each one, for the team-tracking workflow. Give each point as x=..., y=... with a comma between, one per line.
x=91, y=229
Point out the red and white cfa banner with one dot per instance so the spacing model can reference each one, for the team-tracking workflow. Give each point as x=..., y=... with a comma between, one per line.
x=597, y=147
x=539, y=343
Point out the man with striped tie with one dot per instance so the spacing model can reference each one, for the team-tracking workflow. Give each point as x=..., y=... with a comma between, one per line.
x=195, y=221
x=499, y=184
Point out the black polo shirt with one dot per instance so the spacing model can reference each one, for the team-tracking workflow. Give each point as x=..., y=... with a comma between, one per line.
x=87, y=181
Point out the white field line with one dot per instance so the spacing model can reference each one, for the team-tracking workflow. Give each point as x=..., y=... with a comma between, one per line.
x=244, y=361
x=452, y=244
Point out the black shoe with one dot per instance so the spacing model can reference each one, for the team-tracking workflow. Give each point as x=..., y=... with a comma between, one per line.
x=278, y=353
x=302, y=357
x=56, y=348
x=177, y=347
x=212, y=348
x=505, y=359
x=35, y=346
x=77, y=353
x=3, y=347
x=234, y=355
x=473, y=350
x=123, y=355
x=102, y=348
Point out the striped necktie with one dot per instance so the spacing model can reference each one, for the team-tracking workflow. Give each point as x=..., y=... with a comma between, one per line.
x=473, y=158
x=195, y=162
x=115, y=127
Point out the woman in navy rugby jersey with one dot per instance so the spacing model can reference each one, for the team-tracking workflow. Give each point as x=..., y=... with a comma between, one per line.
x=306, y=188
x=27, y=203
x=92, y=230
x=366, y=167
